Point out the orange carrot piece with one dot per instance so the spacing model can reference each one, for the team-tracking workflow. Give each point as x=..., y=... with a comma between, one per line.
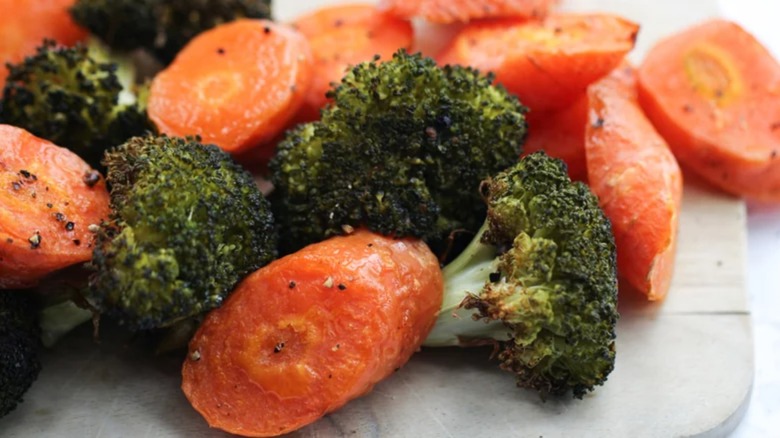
x=341, y=36
x=638, y=182
x=48, y=199
x=25, y=24
x=713, y=91
x=451, y=11
x=561, y=134
x=235, y=86
x=302, y=336
x=549, y=63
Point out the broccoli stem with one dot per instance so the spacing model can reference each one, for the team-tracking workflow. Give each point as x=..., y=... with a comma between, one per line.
x=60, y=319
x=465, y=275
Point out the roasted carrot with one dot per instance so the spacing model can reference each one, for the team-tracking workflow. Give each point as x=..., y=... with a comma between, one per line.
x=341, y=36
x=49, y=198
x=561, y=133
x=638, y=181
x=713, y=91
x=235, y=86
x=451, y=11
x=25, y=24
x=304, y=335
x=549, y=63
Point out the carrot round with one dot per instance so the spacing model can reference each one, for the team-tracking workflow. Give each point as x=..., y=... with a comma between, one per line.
x=561, y=134
x=302, y=336
x=638, y=181
x=713, y=91
x=25, y=24
x=451, y=11
x=341, y=36
x=548, y=63
x=235, y=86
x=49, y=197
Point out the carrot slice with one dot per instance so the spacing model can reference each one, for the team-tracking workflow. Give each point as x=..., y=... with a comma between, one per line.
x=48, y=199
x=638, y=182
x=341, y=36
x=236, y=85
x=561, y=134
x=302, y=336
x=19, y=38
x=549, y=63
x=713, y=91
x=451, y=11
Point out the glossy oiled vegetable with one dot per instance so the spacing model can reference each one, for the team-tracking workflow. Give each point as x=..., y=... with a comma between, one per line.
x=713, y=92
x=235, y=86
x=49, y=197
x=450, y=11
x=637, y=180
x=187, y=224
x=311, y=331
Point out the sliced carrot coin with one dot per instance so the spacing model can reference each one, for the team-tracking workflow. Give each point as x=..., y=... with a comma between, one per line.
x=451, y=11
x=236, y=85
x=342, y=36
x=49, y=197
x=638, y=181
x=548, y=63
x=302, y=336
x=713, y=91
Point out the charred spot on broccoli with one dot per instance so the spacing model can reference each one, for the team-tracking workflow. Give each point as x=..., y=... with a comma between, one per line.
x=19, y=347
x=542, y=273
x=401, y=150
x=187, y=224
x=162, y=27
x=70, y=98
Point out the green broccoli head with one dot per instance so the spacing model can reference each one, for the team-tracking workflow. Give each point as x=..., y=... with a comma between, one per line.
x=68, y=97
x=401, y=150
x=542, y=273
x=19, y=344
x=187, y=224
x=162, y=27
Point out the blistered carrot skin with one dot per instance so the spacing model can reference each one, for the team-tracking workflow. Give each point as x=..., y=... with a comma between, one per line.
x=235, y=86
x=49, y=198
x=713, y=91
x=453, y=11
x=548, y=63
x=638, y=181
x=19, y=38
x=304, y=335
x=561, y=134
x=343, y=36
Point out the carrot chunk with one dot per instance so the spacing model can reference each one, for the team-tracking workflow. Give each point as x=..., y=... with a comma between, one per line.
x=638, y=181
x=302, y=336
x=342, y=36
x=713, y=91
x=49, y=197
x=548, y=63
x=235, y=86
x=451, y=11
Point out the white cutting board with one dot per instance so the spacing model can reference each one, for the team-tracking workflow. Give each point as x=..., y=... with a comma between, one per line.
x=684, y=367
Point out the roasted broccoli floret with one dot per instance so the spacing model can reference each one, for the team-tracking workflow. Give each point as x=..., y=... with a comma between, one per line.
x=19, y=344
x=187, y=224
x=74, y=99
x=401, y=150
x=539, y=281
x=161, y=26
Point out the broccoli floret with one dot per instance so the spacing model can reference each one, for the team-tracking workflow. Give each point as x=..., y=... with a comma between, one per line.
x=539, y=279
x=68, y=97
x=19, y=345
x=162, y=27
x=401, y=150
x=187, y=224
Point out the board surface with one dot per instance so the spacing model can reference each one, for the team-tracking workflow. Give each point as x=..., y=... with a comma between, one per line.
x=684, y=367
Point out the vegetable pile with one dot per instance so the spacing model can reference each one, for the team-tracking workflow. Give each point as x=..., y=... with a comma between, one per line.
x=297, y=208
